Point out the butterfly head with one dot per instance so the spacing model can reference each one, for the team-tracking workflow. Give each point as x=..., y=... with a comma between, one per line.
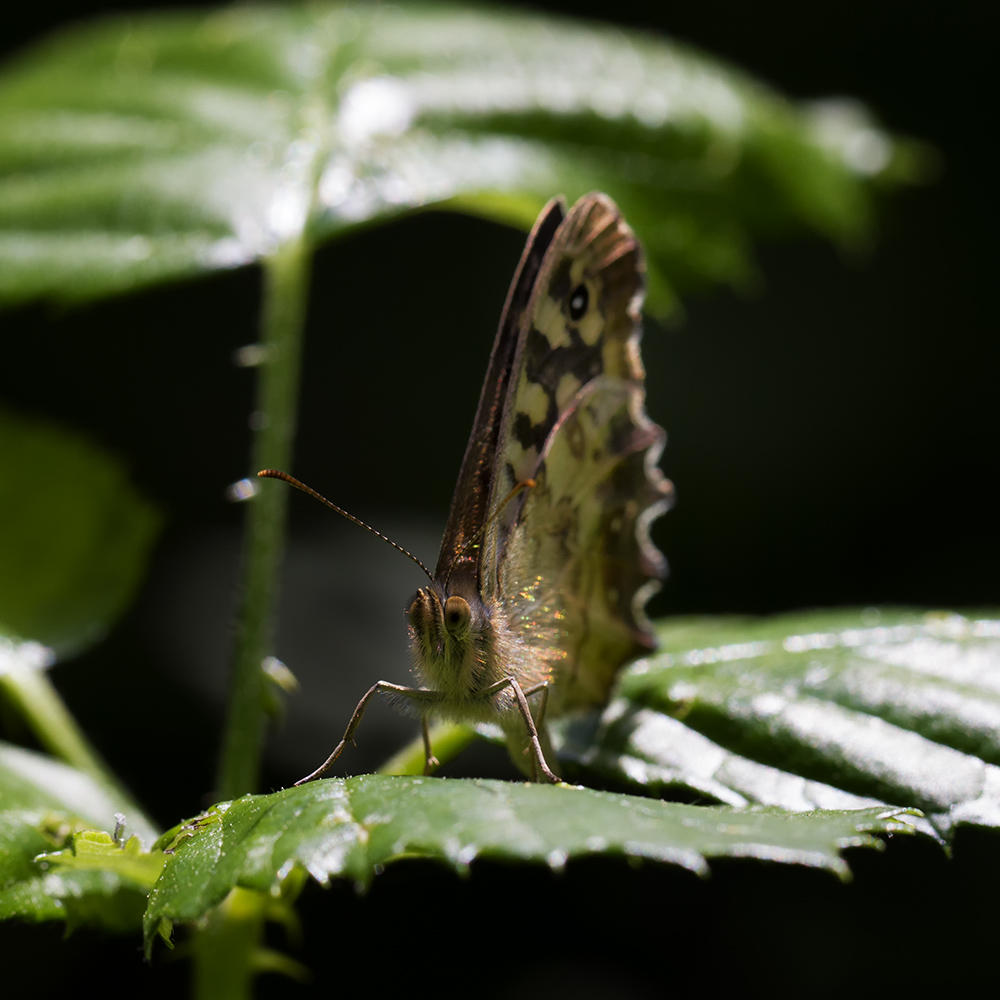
x=451, y=636
x=439, y=620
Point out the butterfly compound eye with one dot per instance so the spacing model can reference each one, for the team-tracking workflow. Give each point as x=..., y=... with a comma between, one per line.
x=457, y=615
x=579, y=299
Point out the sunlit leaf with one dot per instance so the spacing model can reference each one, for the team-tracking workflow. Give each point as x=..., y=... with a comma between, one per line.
x=140, y=150
x=825, y=709
x=44, y=807
x=352, y=827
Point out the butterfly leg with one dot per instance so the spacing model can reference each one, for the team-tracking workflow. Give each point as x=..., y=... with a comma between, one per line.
x=538, y=757
x=544, y=688
x=379, y=686
x=430, y=761
x=539, y=722
x=536, y=746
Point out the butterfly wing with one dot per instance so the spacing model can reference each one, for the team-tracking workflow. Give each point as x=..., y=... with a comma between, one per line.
x=579, y=565
x=570, y=559
x=470, y=505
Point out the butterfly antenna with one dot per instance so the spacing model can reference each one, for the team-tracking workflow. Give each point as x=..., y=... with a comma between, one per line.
x=292, y=481
x=524, y=484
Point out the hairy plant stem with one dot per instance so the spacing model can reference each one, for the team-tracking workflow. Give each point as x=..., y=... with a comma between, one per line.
x=286, y=285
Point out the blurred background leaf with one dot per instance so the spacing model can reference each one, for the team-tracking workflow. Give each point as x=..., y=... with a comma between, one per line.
x=75, y=536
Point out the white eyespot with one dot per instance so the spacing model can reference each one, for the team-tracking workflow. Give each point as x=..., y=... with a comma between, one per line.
x=579, y=299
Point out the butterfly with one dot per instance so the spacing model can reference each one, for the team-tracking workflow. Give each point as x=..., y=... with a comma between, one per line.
x=546, y=563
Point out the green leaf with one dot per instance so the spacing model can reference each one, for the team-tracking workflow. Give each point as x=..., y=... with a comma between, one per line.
x=141, y=150
x=35, y=782
x=97, y=850
x=74, y=536
x=352, y=827
x=820, y=710
x=31, y=889
x=50, y=867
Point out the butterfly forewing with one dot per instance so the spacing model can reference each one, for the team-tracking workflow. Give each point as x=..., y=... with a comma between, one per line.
x=582, y=321
x=470, y=502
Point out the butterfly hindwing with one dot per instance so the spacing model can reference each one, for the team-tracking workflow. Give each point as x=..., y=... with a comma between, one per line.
x=586, y=523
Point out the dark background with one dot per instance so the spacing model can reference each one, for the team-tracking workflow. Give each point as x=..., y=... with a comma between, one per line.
x=829, y=438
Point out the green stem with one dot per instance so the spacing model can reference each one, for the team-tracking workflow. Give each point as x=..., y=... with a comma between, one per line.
x=286, y=285
x=228, y=950
x=224, y=950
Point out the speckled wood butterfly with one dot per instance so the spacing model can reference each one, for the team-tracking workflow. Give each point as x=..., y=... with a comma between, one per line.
x=537, y=598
